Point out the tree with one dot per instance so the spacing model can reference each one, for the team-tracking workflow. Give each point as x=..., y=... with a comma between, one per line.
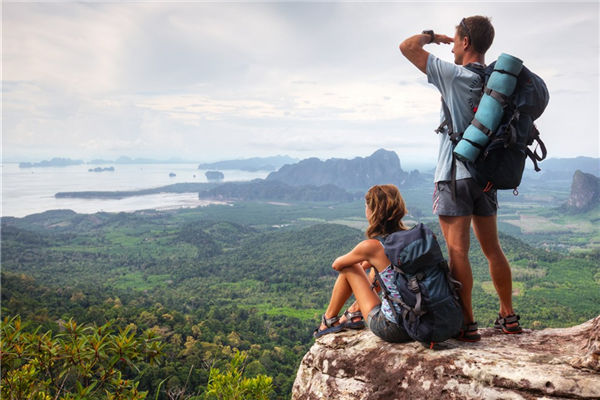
x=232, y=385
x=83, y=362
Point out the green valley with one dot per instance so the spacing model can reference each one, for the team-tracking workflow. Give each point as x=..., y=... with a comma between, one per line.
x=252, y=276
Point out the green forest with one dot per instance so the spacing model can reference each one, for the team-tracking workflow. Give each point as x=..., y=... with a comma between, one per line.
x=203, y=295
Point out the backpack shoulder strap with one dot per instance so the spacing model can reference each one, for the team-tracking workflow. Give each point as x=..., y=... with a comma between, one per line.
x=447, y=122
x=533, y=155
x=478, y=69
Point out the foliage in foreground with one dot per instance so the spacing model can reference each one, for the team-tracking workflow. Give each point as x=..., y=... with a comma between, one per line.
x=232, y=385
x=90, y=362
x=83, y=362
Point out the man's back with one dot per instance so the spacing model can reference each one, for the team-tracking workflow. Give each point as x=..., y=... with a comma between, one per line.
x=460, y=89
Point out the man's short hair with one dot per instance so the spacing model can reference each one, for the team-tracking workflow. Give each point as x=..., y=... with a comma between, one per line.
x=479, y=30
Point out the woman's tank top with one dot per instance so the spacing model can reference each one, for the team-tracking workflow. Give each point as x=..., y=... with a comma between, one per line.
x=388, y=278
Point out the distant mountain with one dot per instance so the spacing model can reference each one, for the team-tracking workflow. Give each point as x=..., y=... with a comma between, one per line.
x=55, y=162
x=588, y=165
x=129, y=160
x=99, y=161
x=359, y=173
x=251, y=164
x=563, y=168
x=262, y=190
x=585, y=192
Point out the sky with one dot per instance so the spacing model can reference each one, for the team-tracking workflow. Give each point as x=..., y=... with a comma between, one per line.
x=207, y=81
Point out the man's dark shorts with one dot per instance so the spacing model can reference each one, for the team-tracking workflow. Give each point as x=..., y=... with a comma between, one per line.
x=382, y=327
x=470, y=199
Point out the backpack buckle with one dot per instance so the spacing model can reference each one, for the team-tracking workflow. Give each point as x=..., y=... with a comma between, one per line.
x=413, y=285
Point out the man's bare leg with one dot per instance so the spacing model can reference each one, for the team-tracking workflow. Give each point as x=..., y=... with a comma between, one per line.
x=456, y=231
x=486, y=231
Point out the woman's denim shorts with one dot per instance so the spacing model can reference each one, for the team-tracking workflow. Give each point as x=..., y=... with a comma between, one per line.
x=385, y=329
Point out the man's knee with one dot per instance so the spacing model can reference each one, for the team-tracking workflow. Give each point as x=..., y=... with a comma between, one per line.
x=458, y=253
x=497, y=260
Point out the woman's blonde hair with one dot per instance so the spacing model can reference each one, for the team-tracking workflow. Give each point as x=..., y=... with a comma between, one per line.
x=387, y=210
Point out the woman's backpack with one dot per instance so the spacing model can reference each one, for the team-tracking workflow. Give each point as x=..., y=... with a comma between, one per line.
x=431, y=310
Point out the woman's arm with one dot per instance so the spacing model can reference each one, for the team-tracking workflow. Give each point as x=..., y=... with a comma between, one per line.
x=364, y=251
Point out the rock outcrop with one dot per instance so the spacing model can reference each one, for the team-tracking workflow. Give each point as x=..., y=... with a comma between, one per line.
x=545, y=364
x=585, y=192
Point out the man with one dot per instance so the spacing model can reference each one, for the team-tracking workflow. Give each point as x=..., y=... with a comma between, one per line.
x=459, y=205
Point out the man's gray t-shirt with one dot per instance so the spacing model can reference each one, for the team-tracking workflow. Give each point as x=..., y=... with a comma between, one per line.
x=460, y=89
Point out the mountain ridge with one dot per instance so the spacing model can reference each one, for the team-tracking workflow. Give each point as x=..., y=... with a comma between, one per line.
x=357, y=174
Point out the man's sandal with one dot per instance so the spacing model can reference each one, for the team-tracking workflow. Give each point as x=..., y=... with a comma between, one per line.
x=350, y=316
x=512, y=319
x=329, y=323
x=468, y=333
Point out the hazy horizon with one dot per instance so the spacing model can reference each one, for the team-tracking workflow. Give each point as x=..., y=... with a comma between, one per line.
x=221, y=81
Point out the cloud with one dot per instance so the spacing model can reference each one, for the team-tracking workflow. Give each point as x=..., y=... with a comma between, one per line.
x=217, y=80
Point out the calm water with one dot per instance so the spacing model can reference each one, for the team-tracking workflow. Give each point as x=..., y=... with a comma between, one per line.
x=31, y=190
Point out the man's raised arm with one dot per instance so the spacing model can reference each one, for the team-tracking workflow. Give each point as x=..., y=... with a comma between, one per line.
x=412, y=48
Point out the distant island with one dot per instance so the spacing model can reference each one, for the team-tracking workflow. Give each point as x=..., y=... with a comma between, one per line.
x=121, y=194
x=251, y=164
x=65, y=162
x=214, y=176
x=100, y=169
x=129, y=160
x=55, y=162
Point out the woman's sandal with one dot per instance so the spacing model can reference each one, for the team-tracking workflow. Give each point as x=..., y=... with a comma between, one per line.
x=350, y=324
x=512, y=319
x=329, y=323
x=468, y=333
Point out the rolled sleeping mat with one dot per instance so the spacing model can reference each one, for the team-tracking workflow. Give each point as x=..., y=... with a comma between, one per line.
x=505, y=83
x=490, y=111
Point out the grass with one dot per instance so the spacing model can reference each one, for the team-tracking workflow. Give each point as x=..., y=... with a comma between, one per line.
x=302, y=314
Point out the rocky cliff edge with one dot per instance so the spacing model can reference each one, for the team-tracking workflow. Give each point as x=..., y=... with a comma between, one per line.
x=544, y=364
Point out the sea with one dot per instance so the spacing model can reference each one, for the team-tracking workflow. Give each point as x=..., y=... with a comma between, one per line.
x=28, y=191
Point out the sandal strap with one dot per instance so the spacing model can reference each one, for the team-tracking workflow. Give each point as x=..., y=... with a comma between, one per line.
x=328, y=322
x=351, y=315
x=509, y=319
x=472, y=327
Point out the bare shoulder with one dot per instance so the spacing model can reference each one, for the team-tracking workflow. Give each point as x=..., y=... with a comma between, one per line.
x=369, y=246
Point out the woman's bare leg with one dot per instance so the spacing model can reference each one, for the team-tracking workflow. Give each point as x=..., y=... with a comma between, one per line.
x=351, y=280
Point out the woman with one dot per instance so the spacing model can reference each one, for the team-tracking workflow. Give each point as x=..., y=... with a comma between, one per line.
x=384, y=209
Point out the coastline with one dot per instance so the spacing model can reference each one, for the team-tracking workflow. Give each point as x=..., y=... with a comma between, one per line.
x=131, y=187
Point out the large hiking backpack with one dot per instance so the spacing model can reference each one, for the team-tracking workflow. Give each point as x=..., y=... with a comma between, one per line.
x=430, y=306
x=501, y=163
